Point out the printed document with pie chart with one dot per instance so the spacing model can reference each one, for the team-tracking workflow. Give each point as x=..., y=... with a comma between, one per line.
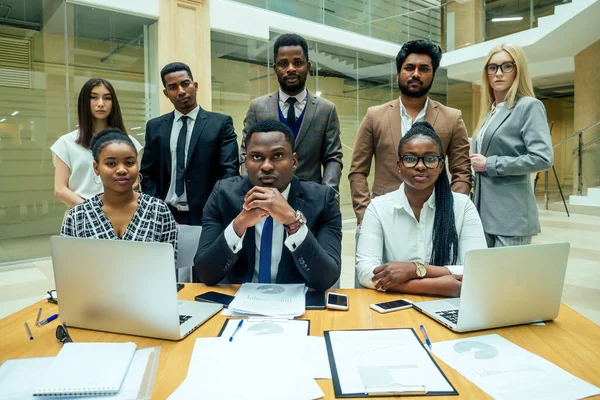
x=277, y=300
x=506, y=371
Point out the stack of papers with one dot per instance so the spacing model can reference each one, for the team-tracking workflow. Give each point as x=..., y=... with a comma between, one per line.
x=260, y=367
x=506, y=371
x=19, y=379
x=276, y=300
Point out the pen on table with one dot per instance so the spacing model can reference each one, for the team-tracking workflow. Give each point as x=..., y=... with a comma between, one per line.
x=49, y=319
x=37, y=320
x=426, y=337
x=236, y=330
x=28, y=331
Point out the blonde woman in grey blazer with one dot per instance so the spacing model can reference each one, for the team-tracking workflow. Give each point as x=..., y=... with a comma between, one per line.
x=512, y=141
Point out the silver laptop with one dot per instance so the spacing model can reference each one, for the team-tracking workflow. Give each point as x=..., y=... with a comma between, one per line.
x=504, y=286
x=124, y=287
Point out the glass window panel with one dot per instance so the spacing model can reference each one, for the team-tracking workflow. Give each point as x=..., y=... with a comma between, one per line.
x=38, y=103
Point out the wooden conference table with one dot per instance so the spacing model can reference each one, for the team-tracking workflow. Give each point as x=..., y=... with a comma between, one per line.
x=571, y=341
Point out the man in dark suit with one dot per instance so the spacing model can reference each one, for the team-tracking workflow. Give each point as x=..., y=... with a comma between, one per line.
x=187, y=150
x=270, y=226
x=312, y=119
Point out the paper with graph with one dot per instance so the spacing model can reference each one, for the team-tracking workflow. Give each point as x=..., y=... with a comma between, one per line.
x=506, y=371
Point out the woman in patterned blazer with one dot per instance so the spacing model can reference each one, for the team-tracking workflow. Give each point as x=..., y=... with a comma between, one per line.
x=120, y=213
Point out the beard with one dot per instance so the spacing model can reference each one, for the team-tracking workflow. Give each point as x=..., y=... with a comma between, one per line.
x=297, y=88
x=405, y=90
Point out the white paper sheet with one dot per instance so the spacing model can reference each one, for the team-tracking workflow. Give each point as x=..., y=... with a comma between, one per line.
x=391, y=359
x=251, y=367
x=315, y=358
x=270, y=299
x=266, y=327
x=17, y=378
x=506, y=371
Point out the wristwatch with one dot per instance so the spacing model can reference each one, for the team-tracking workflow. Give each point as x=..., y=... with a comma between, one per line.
x=294, y=226
x=421, y=270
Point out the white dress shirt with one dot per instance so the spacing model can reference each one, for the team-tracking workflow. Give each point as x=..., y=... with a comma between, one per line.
x=299, y=105
x=407, y=121
x=390, y=232
x=292, y=242
x=495, y=110
x=172, y=198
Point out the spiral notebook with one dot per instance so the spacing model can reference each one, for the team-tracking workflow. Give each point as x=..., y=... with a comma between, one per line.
x=87, y=369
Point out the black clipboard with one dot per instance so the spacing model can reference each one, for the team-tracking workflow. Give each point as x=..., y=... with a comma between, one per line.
x=337, y=388
x=237, y=319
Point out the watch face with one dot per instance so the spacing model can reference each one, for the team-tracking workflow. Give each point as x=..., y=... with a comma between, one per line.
x=421, y=271
x=300, y=217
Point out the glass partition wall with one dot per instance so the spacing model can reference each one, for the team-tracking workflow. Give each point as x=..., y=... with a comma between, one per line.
x=48, y=50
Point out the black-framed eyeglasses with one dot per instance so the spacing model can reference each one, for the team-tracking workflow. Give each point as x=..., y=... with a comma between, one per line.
x=62, y=334
x=410, y=161
x=506, y=68
x=52, y=298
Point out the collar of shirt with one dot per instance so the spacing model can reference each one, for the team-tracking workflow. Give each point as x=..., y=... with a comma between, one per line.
x=497, y=107
x=300, y=97
x=420, y=116
x=192, y=114
x=401, y=201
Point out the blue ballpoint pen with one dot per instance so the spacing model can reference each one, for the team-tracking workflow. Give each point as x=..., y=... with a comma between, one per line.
x=49, y=319
x=236, y=330
x=426, y=337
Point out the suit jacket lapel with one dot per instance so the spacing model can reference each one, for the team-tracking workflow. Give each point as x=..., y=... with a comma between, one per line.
x=273, y=106
x=296, y=201
x=395, y=125
x=309, y=112
x=166, y=127
x=199, y=124
x=432, y=112
x=493, y=127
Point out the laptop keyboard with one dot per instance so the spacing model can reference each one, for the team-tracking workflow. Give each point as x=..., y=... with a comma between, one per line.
x=183, y=318
x=450, y=315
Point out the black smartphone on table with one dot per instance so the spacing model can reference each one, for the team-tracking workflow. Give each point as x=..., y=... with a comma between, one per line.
x=315, y=300
x=180, y=286
x=215, y=297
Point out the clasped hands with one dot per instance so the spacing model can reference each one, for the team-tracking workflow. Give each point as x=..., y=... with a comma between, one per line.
x=261, y=202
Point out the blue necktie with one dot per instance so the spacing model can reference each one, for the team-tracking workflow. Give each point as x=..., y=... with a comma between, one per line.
x=180, y=172
x=266, y=244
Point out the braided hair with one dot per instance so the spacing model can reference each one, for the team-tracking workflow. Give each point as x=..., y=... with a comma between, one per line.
x=445, y=237
x=108, y=136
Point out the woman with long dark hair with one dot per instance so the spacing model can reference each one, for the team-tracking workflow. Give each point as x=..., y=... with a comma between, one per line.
x=412, y=239
x=97, y=109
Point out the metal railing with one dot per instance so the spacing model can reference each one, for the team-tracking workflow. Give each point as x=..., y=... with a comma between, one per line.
x=578, y=150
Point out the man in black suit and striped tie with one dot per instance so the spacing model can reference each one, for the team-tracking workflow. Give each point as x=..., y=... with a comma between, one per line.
x=187, y=150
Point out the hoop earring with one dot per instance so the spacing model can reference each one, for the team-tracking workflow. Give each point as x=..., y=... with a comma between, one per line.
x=96, y=182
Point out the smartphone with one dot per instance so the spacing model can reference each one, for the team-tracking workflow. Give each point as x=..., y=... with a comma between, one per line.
x=180, y=286
x=337, y=301
x=215, y=297
x=394, y=305
x=315, y=300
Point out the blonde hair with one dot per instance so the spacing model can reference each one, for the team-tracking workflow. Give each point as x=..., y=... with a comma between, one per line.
x=521, y=87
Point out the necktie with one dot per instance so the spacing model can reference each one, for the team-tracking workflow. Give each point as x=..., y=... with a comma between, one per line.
x=266, y=244
x=291, y=114
x=180, y=177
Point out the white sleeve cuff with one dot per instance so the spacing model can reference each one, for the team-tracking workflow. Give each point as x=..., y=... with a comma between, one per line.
x=294, y=241
x=455, y=269
x=233, y=241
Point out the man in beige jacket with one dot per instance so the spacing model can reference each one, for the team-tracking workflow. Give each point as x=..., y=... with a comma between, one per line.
x=383, y=127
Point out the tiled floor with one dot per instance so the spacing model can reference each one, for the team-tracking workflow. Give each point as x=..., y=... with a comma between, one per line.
x=25, y=283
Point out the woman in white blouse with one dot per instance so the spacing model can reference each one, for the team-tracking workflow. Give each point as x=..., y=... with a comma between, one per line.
x=97, y=109
x=412, y=239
